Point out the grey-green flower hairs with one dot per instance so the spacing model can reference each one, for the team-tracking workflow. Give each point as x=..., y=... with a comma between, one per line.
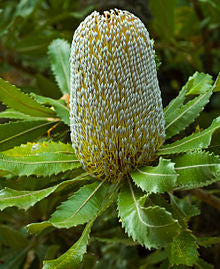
x=117, y=120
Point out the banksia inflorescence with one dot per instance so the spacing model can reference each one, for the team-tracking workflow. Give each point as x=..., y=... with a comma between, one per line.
x=117, y=120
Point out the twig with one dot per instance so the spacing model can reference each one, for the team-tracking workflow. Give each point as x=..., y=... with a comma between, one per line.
x=206, y=197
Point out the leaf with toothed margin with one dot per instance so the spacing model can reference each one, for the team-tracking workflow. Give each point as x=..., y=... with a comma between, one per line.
x=16, y=99
x=217, y=84
x=38, y=227
x=16, y=133
x=151, y=226
x=26, y=199
x=59, y=55
x=197, y=169
x=82, y=206
x=185, y=114
x=40, y=159
x=195, y=141
x=73, y=257
x=183, y=249
x=156, y=179
x=16, y=115
x=59, y=106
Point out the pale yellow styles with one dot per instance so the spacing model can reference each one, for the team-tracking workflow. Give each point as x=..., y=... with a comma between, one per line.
x=117, y=120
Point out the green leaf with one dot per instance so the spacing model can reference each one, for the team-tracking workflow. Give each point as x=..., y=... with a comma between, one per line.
x=175, y=104
x=16, y=99
x=15, y=133
x=13, y=114
x=11, y=237
x=59, y=54
x=199, y=83
x=160, y=179
x=183, y=249
x=22, y=199
x=216, y=86
x=73, y=257
x=151, y=226
x=37, y=228
x=195, y=141
x=81, y=207
x=186, y=209
x=36, y=148
x=208, y=241
x=197, y=169
x=185, y=115
x=40, y=159
x=26, y=199
x=59, y=105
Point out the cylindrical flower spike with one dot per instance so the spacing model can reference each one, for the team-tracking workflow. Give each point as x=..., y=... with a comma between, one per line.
x=117, y=120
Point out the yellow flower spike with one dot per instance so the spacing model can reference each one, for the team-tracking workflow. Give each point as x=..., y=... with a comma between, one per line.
x=116, y=113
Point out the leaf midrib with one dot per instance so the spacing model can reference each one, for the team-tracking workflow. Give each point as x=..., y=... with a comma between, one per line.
x=26, y=131
x=155, y=174
x=26, y=104
x=188, y=141
x=184, y=112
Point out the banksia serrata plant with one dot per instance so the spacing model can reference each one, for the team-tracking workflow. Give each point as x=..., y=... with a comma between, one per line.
x=117, y=120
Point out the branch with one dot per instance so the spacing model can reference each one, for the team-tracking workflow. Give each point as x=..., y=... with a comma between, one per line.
x=206, y=197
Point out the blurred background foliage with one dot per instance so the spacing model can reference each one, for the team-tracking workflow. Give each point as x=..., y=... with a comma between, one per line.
x=186, y=35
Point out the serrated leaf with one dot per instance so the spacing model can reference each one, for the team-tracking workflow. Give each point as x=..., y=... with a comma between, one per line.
x=198, y=140
x=37, y=228
x=15, y=133
x=185, y=115
x=186, y=209
x=27, y=199
x=40, y=159
x=22, y=199
x=81, y=207
x=179, y=115
x=208, y=241
x=73, y=257
x=199, y=83
x=183, y=249
x=197, y=169
x=175, y=104
x=216, y=86
x=59, y=105
x=16, y=99
x=151, y=226
x=13, y=114
x=193, y=86
x=33, y=149
x=59, y=54
x=156, y=179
